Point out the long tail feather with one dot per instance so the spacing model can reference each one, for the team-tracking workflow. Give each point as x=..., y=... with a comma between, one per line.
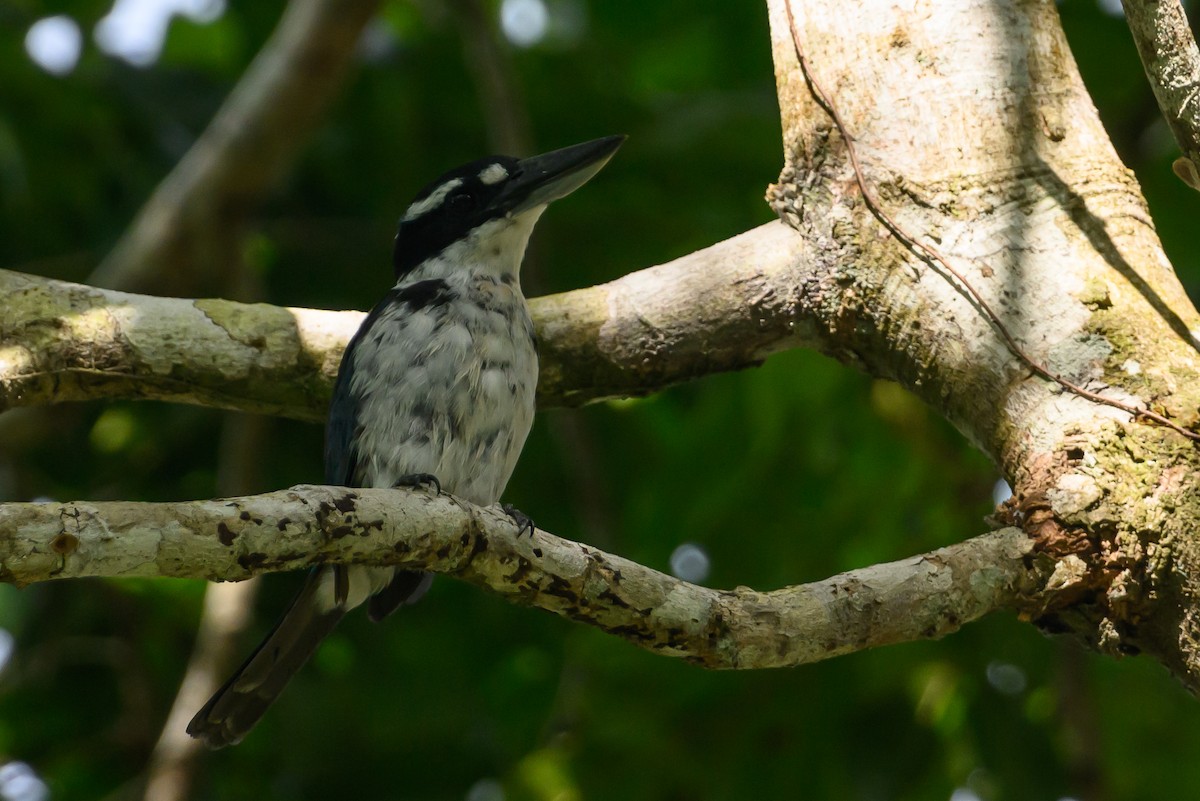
x=234, y=710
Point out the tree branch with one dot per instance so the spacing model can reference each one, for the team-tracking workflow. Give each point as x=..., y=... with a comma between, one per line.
x=225, y=614
x=247, y=147
x=722, y=308
x=921, y=597
x=1172, y=62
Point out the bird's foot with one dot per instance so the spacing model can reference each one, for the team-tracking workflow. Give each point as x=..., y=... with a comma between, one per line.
x=419, y=480
x=524, y=522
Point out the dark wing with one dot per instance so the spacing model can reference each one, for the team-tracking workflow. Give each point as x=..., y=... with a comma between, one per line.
x=341, y=428
x=341, y=460
x=341, y=431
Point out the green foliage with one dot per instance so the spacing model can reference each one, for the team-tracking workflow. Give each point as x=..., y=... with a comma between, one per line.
x=787, y=473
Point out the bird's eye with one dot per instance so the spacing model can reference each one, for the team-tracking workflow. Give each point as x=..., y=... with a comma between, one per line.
x=461, y=203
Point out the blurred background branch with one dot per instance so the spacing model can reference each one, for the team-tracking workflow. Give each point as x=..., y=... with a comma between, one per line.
x=196, y=219
x=225, y=614
x=189, y=239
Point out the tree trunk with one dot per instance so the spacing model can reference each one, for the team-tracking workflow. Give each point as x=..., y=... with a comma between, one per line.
x=975, y=133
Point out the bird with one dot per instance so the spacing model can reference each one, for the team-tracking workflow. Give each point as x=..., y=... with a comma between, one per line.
x=435, y=390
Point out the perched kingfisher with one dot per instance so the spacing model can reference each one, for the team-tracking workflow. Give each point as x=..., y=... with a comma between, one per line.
x=436, y=388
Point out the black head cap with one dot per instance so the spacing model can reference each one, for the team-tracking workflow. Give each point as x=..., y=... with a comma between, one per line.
x=489, y=188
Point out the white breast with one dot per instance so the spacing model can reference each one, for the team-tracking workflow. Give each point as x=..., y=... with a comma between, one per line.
x=448, y=390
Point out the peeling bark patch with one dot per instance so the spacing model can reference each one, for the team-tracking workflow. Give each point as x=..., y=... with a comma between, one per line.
x=521, y=571
x=64, y=544
x=339, y=529
x=251, y=561
x=561, y=588
x=613, y=599
x=225, y=534
x=1054, y=538
x=479, y=545
x=630, y=633
x=715, y=632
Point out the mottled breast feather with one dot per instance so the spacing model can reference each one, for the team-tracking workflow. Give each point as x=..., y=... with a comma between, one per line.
x=342, y=428
x=440, y=379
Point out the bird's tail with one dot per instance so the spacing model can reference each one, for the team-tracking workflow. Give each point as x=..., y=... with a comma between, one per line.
x=235, y=708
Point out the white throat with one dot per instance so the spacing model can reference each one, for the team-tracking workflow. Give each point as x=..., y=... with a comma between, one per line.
x=494, y=249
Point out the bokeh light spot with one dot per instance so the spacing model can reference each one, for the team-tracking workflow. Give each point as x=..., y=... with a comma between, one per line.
x=54, y=44
x=524, y=22
x=690, y=562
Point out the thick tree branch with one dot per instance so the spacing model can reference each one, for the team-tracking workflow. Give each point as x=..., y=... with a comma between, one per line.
x=722, y=308
x=1172, y=62
x=1004, y=168
x=918, y=598
x=247, y=147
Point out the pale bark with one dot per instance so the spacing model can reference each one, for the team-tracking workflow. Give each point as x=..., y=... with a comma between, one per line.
x=922, y=597
x=975, y=131
x=722, y=308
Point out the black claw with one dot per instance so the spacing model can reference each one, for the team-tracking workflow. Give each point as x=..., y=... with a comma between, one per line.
x=524, y=522
x=418, y=480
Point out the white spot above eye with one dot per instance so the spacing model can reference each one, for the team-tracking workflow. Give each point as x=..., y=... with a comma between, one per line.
x=493, y=174
x=433, y=200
